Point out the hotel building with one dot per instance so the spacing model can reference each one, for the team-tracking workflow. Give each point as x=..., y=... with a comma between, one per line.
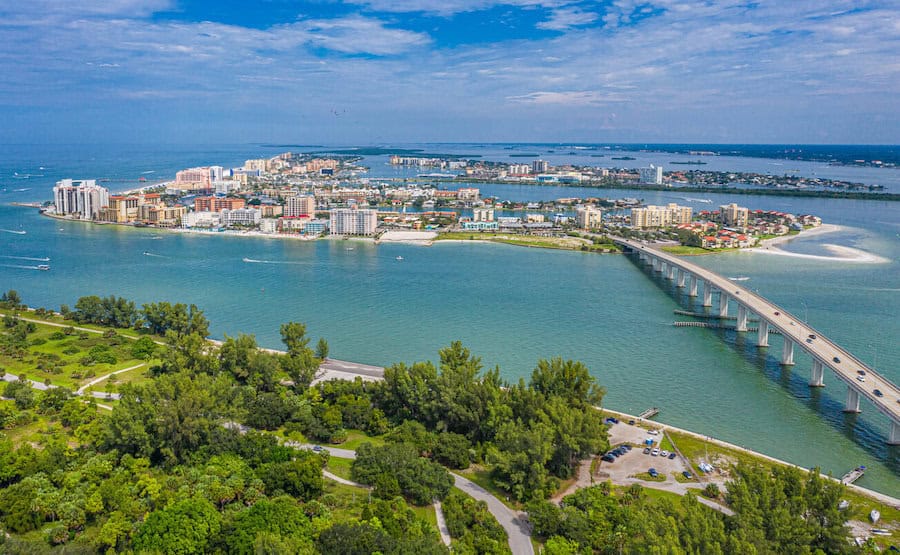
x=80, y=197
x=353, y=221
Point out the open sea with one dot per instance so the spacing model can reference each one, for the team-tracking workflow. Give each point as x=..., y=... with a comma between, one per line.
x=510, y=305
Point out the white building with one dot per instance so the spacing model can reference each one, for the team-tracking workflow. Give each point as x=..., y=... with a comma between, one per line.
x=483, y=215
x=241, y=216
x=268, y=225
x=652, y=175
x=201, y=219
x=80, y=197
x=353, y=221
x=225, y=187
x=660, y=216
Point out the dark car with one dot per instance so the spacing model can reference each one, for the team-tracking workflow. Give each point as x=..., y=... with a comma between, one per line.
x=687, y=475
x=647, y=449
x=861, y=372
x=631, y=422
x=672, y=455
x=652, y=472
x=812, y=336
x=777, y=313
x=627, y=447
x=317, y=448
x=608, y=458
x=836, y=359
x=878, y=393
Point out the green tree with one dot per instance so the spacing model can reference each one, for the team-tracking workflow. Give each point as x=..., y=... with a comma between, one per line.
x=143, y=348
x=419, y=480
x=300, y=478
x=183, y=528
x=568, y=379
x=21, y=393
x=322, y=349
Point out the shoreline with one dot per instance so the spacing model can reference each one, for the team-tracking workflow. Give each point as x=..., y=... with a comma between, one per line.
x=840, y=253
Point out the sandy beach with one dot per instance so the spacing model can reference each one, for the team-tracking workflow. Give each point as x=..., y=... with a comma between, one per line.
x=839, y=253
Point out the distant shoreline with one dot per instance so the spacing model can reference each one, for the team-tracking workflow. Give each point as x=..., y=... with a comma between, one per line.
x=840, y=252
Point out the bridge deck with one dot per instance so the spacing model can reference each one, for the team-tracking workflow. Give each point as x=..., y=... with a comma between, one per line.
x=791, y=327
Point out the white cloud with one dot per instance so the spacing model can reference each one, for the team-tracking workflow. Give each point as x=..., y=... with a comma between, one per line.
x=565, y=18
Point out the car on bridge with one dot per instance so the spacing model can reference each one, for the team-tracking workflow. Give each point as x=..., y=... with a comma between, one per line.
x=836, y=359
x=861, y=372
x=860, y=378
x=878, y=393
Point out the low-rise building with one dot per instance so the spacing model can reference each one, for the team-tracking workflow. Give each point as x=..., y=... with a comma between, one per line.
x=588, y=217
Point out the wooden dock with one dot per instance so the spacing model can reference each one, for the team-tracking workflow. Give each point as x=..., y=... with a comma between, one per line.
x=853, y=475
x=649, y=413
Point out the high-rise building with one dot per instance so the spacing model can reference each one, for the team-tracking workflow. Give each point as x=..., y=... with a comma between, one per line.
x=353, y=221
x=483, y=215
x=81, y=197
x=588, y=217
x=660, y=216
x=303, y=205
x=732, y=215
x=652, y=175
x=217, y=204
x=539, y=166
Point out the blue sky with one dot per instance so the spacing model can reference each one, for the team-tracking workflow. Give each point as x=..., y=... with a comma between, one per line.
x=382, y=71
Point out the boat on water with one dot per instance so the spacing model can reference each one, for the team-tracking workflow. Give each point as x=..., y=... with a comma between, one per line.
x=44, y=267
x=739, y=278
x=16, y=231
x=688, y=163
x=874, y=516
x=399, y=258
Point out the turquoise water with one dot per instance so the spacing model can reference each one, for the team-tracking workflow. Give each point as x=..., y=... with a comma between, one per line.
x=514, y=305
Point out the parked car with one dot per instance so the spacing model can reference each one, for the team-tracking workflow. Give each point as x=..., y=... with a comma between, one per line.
x=608, y=458
x=653, y=473
x=655, y=452
x=687, y=475
x=647, y=449
x=672, y=455
x=631, y=422
x=317, y=448
x=663, y=453
x=653, y=432
x=627, y=447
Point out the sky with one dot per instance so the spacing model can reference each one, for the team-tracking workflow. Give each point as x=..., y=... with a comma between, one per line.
x=370, y=72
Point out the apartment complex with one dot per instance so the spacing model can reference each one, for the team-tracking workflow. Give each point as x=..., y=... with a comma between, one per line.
x=588, y=217
x=303, y=205
x=217, y=204
x=650, y=216
x=80, y=197
x=732, y=215
x=353, y=221
x=652, y=175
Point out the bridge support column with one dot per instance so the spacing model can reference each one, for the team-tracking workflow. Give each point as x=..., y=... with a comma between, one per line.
x=741, y=318
x=654, y=262
x=707, y=293
x=787, y=352
x=693, y=290
x=762, y=336
x=723, y=304
x=670, y=274
x=682, y=276
x=852, y=404
x=817, y=377
x=895, y=434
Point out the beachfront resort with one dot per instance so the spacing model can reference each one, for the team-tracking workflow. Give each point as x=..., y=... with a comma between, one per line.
x=308, y=197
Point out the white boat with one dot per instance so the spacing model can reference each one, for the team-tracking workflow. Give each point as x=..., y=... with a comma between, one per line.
x=43, y=267
x=874, y=516
x=739, y=278
x=399, y=258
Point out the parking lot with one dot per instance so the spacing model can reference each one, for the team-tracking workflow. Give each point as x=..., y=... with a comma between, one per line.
x=635, y=461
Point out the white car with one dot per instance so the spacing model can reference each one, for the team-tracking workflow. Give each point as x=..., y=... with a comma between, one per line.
x=653, y=432
x=860, y=378
x=655, y=452
x=663, y=453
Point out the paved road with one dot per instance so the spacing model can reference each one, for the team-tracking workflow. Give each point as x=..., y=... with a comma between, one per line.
x=844, y=365
x=516, y=524
x=442, y=523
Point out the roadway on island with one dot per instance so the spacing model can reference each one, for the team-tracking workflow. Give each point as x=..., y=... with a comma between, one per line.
x=845, y=366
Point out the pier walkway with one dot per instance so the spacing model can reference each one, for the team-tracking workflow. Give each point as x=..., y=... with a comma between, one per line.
x=861, y=380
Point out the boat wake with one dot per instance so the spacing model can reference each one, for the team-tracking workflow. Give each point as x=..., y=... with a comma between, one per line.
x=703, y=200
x=154, y=255
x=256, y=261
x=21, y=267
x=17, y=232
x=34, y=258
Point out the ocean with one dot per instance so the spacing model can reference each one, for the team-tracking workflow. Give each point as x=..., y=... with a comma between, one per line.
x=510, y=305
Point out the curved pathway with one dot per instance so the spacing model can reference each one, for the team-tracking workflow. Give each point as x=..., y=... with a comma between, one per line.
x=516, y=524
x=80, y=390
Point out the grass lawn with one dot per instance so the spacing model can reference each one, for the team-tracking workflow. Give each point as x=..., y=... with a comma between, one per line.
x=355, y=438
x=679, y=477
x=339, y=467
x=426, y=513
x=62, y=358
x=685, y=250
x=570, y=243
x=482, y=477
x=665, y=444
x=648, y=478
x=137, y=376
x=660, y=494
x=344, y=501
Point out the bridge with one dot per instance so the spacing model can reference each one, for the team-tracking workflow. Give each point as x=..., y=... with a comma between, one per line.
x=861, y=380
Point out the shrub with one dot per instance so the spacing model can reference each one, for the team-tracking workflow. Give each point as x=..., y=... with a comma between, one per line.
x=57, y=335
x=37, y=341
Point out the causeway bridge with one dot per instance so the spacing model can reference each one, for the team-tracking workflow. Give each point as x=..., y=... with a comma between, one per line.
x=860, y=379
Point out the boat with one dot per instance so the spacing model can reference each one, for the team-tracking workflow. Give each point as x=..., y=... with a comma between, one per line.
x=623, y=158
x=874, y=516
x=688, y=163
x=399, y=258
x=44, y=267
x=739, y=278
